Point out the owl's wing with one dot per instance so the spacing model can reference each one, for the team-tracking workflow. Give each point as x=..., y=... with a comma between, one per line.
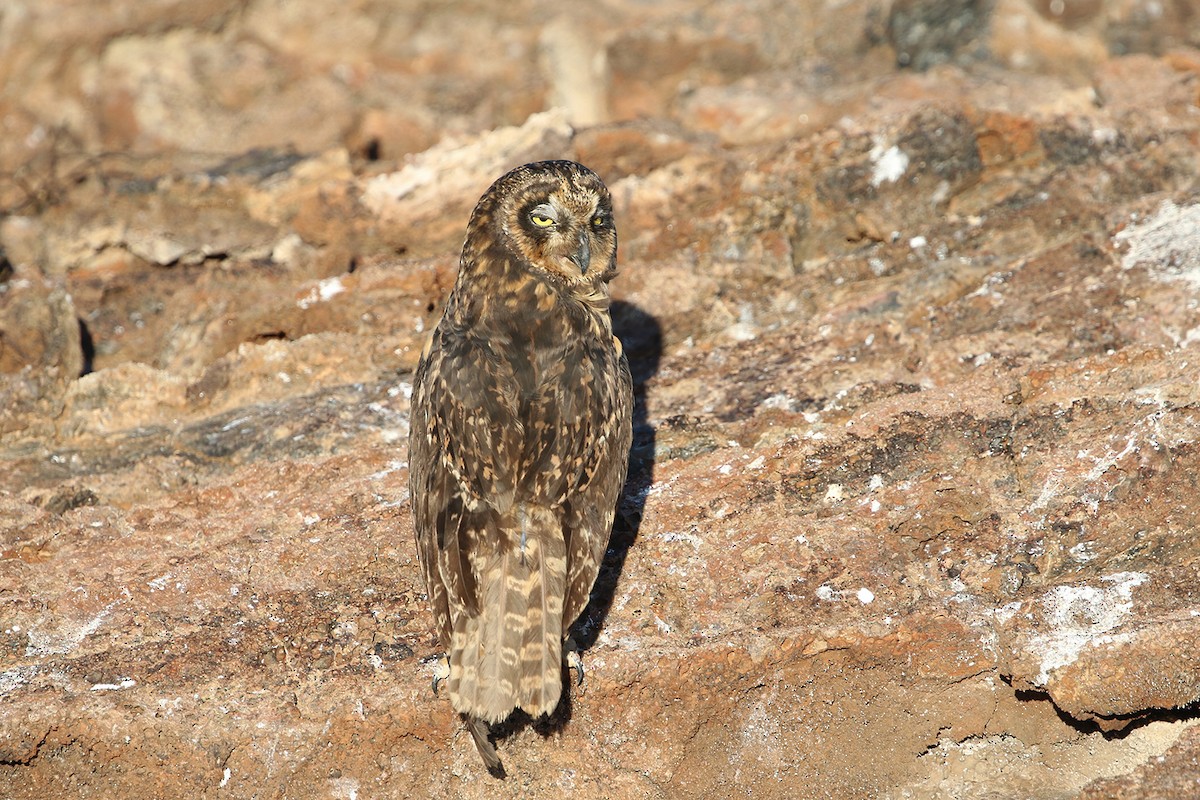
x=592, y=504
x=463, y=451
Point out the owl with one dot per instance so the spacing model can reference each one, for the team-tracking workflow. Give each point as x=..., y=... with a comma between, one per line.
x=520, y=432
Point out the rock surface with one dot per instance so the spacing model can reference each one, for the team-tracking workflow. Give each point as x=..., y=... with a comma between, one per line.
x=914, y=321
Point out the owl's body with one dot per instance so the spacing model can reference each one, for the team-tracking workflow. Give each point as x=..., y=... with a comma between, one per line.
x=521, y=427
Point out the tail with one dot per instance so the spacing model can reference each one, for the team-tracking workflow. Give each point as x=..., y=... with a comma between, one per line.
x=510, y=654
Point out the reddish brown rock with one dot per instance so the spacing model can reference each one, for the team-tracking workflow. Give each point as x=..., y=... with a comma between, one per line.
x=1176, y=774
x=912, y=498
x=40, y=350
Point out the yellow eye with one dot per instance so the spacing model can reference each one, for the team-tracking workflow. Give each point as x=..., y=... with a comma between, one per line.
x=540, y=221
x=597, y=221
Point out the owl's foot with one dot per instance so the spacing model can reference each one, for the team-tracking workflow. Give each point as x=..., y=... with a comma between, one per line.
x=441, y=671
x=573, y=660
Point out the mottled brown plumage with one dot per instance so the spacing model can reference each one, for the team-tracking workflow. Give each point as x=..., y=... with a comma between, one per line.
x=521, y=413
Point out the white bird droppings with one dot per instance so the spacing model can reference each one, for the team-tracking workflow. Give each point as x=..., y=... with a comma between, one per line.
x=323, y=291
x=1079, y=615
x=890, y=165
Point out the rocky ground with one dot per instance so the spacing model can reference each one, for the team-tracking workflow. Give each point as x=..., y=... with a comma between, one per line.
x=912, y=295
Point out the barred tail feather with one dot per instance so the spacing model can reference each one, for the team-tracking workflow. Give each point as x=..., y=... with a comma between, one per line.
x=541, y=644
x=509, y=655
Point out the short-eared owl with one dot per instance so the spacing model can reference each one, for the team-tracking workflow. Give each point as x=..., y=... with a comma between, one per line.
x=521, y=413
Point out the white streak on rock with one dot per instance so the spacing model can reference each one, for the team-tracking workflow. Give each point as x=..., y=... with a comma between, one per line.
x=1168, y=244
x=1078, y=616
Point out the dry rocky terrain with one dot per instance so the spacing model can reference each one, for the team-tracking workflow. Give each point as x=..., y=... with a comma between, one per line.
x=911, y=291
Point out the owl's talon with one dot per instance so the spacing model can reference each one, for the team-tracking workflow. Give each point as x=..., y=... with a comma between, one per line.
x=573, y=660
x=441, y=671
x=576, y=663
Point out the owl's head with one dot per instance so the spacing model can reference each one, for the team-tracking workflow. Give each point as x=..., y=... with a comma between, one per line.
x=556, y=218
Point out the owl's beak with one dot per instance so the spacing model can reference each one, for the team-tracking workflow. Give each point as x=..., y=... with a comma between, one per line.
x=583, y=253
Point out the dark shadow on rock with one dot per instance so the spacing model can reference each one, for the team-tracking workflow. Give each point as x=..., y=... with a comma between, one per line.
x=545, y=726
x=1117, y=727
x=641, y=336
x=88, y=345
x=6, y=268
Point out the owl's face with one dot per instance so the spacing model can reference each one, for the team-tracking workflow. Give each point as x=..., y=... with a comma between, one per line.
x=557, y=216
